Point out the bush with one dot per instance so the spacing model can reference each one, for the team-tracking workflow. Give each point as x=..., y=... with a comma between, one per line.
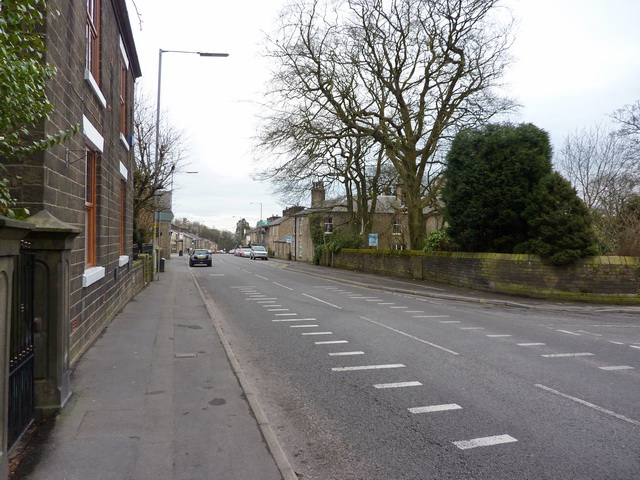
x=439, y=241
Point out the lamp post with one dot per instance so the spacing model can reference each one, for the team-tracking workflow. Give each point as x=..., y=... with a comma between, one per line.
x=260, y=221
x=156, y=225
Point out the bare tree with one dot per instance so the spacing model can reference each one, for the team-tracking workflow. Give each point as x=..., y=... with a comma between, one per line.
x=628, y=118
x=404, y=73
x=153, y=177
x=602, y=166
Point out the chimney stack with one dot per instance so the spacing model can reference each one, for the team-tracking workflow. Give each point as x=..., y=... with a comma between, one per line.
x=317, y=193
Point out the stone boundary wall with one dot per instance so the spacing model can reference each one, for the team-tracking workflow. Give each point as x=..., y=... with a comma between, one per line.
x=606, y=279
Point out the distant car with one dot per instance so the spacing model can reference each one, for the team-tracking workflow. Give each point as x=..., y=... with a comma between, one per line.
x=200, y=257
x=258, y=251
x=245, y=252
x=232, y=251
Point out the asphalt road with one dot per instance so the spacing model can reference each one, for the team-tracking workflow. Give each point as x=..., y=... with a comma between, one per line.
x=360, y=383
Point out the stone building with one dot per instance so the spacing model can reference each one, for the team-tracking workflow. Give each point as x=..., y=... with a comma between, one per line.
x=79, y=193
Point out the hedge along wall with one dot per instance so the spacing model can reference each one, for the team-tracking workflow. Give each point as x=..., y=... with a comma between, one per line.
x=595, y=279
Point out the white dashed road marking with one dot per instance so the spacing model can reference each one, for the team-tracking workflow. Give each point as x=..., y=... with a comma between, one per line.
x=318, y=333
x=339, y=354
x=293, y=320
x=398, y=385
x=537, y=344
x=618, y=367
x=560, y=355
x=590, y=405
x=331, y=342
x=411, y=336
x=499, y=336
x=436, y=408
x=322, y=301
x=303, y=326
x=570, y=333
x=367, y=367
x=484, y=442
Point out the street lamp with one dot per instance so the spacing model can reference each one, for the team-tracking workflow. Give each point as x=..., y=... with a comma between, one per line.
x=157, y=149
x=257, y=203
x=260, y=221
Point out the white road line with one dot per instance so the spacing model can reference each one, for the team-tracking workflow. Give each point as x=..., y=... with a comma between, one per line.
x=374, y=300
x=449, y=321
x=322, y=301
x=435, y=408
x=560, y=355
x=433, y=316
x=535, y=344
x=318, y=333
x=331, y=342
x=339, y=354
x=293, y=320
x=386, y=303
x=570, y=333
x=414, y=311
x=616, y=343
x=286, y=314
x=471, y=328
x=243, y=287
x=259, y=276
x=303, y=326
x=367, y=367
x=484, y=441
x=590, y=405
x=398, y=385
x=265, y=301
x=634, y=346
x=277, y=310
x=618, y=367
x=272, y=305
x=411, y=336
x=590, y=333
x=398, y=307
x=283, y=286
x=499, y=336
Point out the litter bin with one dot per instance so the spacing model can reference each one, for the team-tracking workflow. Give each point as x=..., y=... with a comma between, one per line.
x=162, y=264
x=180, y=253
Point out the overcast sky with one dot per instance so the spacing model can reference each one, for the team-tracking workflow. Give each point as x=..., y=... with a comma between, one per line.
x=576, y=62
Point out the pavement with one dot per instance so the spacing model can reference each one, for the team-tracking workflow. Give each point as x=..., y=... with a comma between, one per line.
x=160, y=394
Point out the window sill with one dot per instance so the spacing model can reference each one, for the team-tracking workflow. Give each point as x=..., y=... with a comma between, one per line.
x=92, y=275
x=123, y=260
x=124, y=142
x=88, y=76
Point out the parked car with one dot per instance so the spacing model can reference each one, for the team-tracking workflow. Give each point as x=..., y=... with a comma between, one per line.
x=258, y=251
x=232, y=251
x=245, y=252
x=200, y=257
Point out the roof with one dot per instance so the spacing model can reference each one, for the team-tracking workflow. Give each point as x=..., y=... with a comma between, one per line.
x=384, y=204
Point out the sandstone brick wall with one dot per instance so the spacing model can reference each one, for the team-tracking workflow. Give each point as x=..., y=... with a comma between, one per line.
x=598, y=279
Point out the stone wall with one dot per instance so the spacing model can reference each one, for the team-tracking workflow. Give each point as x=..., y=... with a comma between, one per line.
x=596, y=279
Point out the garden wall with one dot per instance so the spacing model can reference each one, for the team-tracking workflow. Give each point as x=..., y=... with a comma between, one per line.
x=605, y=279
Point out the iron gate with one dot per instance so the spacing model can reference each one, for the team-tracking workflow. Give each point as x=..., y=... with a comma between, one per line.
x=21, y=357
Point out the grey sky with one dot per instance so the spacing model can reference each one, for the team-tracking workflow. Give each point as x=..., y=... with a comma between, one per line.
x=576, y=62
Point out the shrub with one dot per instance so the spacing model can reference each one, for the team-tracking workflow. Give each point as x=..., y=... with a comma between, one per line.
x=439, y=241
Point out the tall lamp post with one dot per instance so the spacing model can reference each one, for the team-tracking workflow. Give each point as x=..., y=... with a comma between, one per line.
x=260, y=221
x=157, y=147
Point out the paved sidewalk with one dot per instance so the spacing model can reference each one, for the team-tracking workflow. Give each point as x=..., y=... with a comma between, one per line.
x=157, y=398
